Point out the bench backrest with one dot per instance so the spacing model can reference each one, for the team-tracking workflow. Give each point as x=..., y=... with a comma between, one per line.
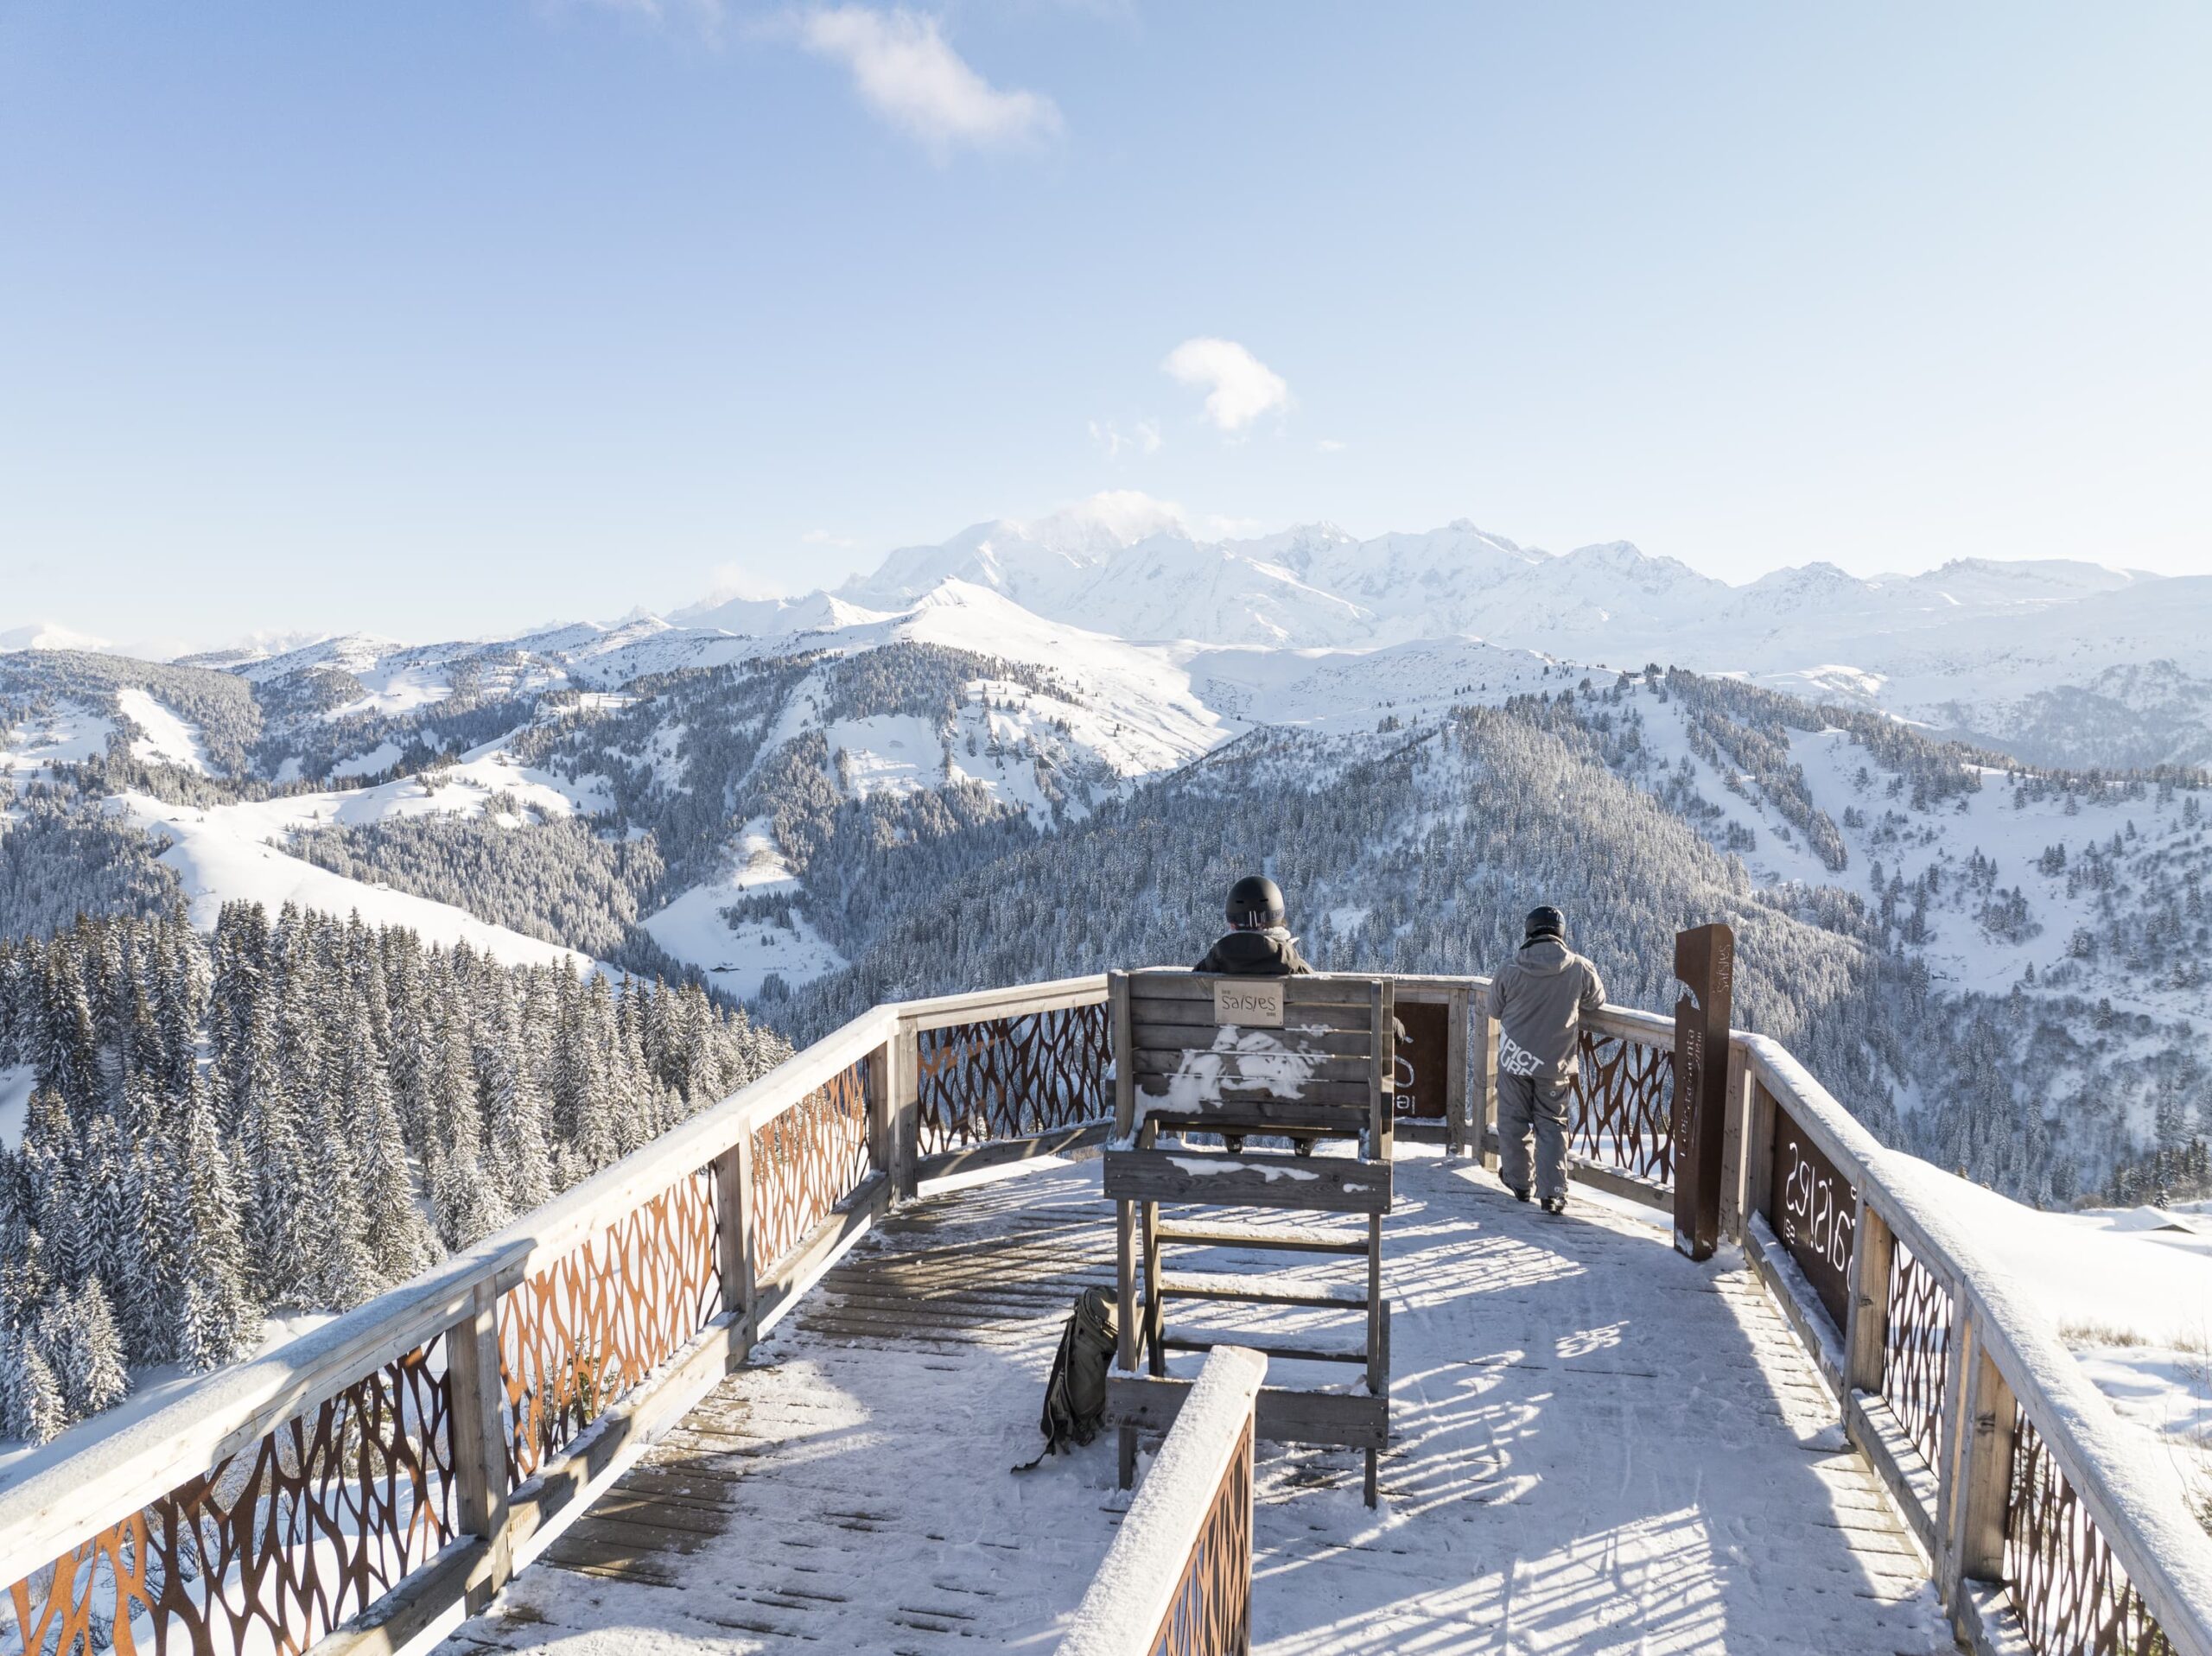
x=1269, y=1054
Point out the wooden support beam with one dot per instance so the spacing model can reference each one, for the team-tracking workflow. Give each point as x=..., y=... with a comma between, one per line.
x=480, y=1444
x=1865, y=1335
x=1455, y=1073
x=1975, y=1551
x=1285, y=1415
x=1253, y=1179
x=734, y=1242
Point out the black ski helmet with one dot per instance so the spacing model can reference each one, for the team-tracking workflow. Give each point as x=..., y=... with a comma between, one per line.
x=1256, y=901
x=1546, y=922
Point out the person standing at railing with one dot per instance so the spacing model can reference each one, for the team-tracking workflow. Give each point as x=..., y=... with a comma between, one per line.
x=1539, y=997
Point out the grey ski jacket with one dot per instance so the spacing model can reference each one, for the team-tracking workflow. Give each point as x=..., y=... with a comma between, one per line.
x=1539, y=997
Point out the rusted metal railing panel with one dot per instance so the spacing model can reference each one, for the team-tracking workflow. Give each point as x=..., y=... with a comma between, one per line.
x=2061, y=1575
x=1177, y=1580
x=1012, y=1076
x=272, y=1547
x=1916, y=1351
x=1210, y=1614
x=579, y=1336
x=1624, y=1114
x=807, y=1160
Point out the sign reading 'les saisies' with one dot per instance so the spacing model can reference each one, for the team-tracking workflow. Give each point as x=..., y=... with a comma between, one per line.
x=1815, y=1213
x=1250, y=1003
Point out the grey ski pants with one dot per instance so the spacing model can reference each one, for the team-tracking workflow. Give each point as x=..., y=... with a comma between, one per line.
x=1530, y=1104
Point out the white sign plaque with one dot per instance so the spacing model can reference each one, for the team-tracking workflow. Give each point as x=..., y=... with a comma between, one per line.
x=1248, y=1002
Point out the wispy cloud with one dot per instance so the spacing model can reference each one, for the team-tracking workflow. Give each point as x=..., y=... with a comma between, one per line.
x=1239, y=387
x=1328, y=445
x=908, y=74
x=823, y=537
x=1115, y=442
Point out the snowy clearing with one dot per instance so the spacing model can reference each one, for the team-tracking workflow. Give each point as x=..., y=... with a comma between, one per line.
x=168, y=739
x=218, y=858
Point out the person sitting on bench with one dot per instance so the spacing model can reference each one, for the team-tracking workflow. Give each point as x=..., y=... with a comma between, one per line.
x=1257, y=944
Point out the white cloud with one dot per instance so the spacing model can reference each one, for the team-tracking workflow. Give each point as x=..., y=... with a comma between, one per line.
x=1329, y=445
x=1240, y=388
x=909, y=75
x=823, y=537
x=1114, y=441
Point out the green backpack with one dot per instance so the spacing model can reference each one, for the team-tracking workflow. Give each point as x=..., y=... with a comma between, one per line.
x=1075, y=1394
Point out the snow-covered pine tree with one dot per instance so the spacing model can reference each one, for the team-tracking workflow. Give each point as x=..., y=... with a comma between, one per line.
x=31, y=1410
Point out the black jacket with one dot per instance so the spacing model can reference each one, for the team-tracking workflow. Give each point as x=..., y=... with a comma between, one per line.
x=1269, y=954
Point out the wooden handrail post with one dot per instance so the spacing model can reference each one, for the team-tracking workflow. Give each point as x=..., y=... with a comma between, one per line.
x=734, y=1234
x=894, y=1098
x=1974, y=1541
x=1865, y=1335
x=478, y=1426
x=1125, y=1275
x=1736, y=1137
x=1954, y=1432
x=1759, y=1151
x=1455, y=1073
x=1486, y=1133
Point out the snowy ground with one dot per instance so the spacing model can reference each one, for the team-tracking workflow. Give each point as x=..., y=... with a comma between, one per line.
x=219, y=858
x=1597, y=1447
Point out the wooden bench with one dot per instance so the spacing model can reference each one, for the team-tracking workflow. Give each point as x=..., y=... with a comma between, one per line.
x=1308, y=1058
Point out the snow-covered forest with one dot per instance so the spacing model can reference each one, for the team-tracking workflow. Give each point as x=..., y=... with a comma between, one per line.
x=292, y=1114
x=1998, y=965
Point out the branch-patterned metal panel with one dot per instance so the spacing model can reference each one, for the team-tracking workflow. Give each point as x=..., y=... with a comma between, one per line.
x=273, y=1547
x=1623, y=1107
x=1013, y=1077
x=581, y=1335
x=806, y=1161
x=1916, y=1350
x=2069, y=1592
x=1211, y=1612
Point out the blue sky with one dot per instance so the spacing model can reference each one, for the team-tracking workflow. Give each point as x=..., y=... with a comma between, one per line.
x=431, y=318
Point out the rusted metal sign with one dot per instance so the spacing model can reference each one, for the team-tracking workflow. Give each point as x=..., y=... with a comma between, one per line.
x=1705, y=960
x=1424, y=1080
x=1814, y=1212
x=1248, y=1002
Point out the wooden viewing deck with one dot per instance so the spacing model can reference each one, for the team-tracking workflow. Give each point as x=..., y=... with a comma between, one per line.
x=1597, y=1446
x=1594, y=1442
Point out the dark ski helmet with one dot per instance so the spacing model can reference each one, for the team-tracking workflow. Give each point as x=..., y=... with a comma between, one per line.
x=1256, y=901
x=1547, y=921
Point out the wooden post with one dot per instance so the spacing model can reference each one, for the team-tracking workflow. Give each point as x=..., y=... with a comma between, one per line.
x=1455, y=1076
x=1758, y=1152
x=903, y=1107
x=1865, y=1335
x=1953, y=1431
x=733, y=1240
x=480, y=1444
x=1382, y=1077
x=1125, y=1275
x=1975, y=1541
x=1705, y=960
x=1737, y=1136
x=1486, y=1133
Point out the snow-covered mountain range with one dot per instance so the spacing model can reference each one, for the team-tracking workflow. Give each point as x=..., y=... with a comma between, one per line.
x=2060, y=661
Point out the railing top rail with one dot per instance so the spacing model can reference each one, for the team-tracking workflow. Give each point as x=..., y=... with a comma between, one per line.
x=939, y=1011
x=2138, y=1498
x=1131, y=1596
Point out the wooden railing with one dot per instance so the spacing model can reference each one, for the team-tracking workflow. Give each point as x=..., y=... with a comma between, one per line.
x=350, y=1488
x=1177, y=1580
x=2052, y=1529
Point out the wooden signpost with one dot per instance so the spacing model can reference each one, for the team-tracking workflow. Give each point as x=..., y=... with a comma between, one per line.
x=1705, y=960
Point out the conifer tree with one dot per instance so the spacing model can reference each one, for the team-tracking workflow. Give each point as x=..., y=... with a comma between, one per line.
x=31, y=1410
